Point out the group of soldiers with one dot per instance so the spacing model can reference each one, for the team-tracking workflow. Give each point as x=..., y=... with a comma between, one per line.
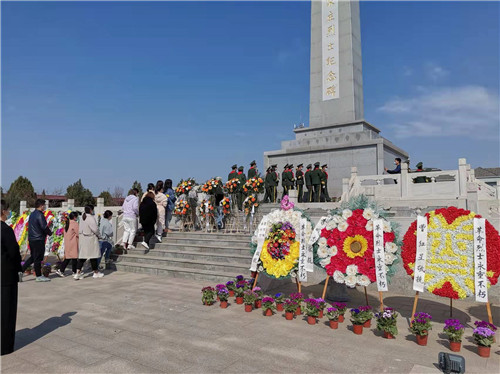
x=315, y=180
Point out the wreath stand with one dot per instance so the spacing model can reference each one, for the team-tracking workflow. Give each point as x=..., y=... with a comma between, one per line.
x=299, y=284
x=415, y=302
x=380, y=295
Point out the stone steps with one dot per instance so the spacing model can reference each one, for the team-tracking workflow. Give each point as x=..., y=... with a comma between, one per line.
x=195, y=255
x=205, y=248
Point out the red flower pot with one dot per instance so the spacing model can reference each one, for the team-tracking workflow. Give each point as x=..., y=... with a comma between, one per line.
x=368, y=324
x=320, y=314
x=334, y=324
x=279, y=307
x=483, y=351
x=239, y=300
x=289, y=315
x=231, y=293
x=311, y=320
x=258, y=304
x=388, y=335
x=358, y=329
x=248, y=307
x=455, y=346
x=207, y=303
x=27, y=272
x=422, y=339
x=268, y=312
x=341, y=318
x=223, y=304
x=298, y=312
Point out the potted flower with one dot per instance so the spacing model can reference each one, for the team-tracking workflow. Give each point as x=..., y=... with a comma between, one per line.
x=369, y=315
x=258, y=298
x=358, y=318
x=290, y=307
x=333, y=314
x=298, y=297
x=312, y=310
x=223, y=294
x=322, y=306
x=420, y=327
x=249, y=298
x=46, y=269
x=454, y=330
x=208, y=295
x=231, y=287
x=342, y=308
x=268, y=306
x=238, y=292
x=387, y=322
x=279, y=298
x=484, y=338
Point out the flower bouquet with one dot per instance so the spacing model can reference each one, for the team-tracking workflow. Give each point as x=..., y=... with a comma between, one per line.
x=454, y=330
x=223, y=295
x=46, y=269
x=182, y=208
x=312, y=310
x=333, y=315
x=232, y=186
x=206, y=210
x=258, y=300
x=208, y=295
x=484, y=336
x=231, y=287
x=210, y=186
x=387, y=322
x=359, y=316
x=280, y=299
x=185, y=186
x=298, y=297
x=420, y=327
x=250, y=205
x=254, y=185
x=342, y=308
x=226, y=206
x=249, y=298
x=268, y=306
x=290, y=307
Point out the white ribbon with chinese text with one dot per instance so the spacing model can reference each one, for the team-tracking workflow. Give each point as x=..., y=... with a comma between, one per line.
x=480, y=263
x=261, y=237
x=421, y=255
x=379, y=253
x=303, y=250
x=317, y=231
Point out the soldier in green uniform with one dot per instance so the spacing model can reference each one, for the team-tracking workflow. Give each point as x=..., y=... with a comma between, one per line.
x=285, y=181
x=300, y=182
x=233, y=172
x=240, y=196
x=308, y=180
x=291, y=178
x=267, y=195
x=324, y=184
x=274, y=183
x=316, y=181
x=252, y=172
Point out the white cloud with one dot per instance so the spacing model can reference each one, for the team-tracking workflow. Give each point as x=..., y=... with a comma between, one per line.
x=471, y=111
x=435, y=72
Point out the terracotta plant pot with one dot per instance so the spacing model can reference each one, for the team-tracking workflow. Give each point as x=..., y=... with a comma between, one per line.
x=207, y=303
x=27, y=272
x=223, y=304
x=483, y=351
x=289, y=315
x=422, y=339
x=298, y=312
x=311, y=320
x=239, y=300
x=388, y=335
x=334, y=324
x=341, y=318
x=368, y=324
x=320, y=315
x=358, y=329
x=258, y=304
x=279, y=307
x=231, y=293
x=268, y=312
x=455, y=346
x=248, y=307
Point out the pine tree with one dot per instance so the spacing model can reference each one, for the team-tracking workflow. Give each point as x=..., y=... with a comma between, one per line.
x=138, y=186
x=82, y=195
x=20, y=190
x=108, y=199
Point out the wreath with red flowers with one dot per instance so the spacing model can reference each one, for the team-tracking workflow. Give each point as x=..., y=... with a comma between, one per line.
x=450, y=252
x=345, y=247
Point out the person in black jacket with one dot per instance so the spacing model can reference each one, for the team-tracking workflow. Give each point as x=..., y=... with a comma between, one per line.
x=37, y=233
x=11, y=266
x=148, y=213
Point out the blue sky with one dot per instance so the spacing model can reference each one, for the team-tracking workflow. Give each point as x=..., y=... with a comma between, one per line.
x=112, y=92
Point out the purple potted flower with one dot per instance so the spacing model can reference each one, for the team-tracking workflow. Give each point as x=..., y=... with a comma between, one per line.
x=268, y=307
x=454, y=330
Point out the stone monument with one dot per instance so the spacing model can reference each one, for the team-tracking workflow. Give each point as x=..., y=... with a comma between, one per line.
x=337, y=134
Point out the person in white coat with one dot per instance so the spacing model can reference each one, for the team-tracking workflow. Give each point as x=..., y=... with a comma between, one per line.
x=161, y=203
x=88, y=246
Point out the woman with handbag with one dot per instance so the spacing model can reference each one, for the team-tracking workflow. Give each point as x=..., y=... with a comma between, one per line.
x=89, y=243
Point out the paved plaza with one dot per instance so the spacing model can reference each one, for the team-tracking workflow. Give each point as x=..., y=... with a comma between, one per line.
x=134, y=323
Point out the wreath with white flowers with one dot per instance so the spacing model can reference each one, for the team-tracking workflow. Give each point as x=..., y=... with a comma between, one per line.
x=345, y=246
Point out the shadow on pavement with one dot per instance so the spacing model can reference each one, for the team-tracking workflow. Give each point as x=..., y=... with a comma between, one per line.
x=479, y=311
x=28, y=336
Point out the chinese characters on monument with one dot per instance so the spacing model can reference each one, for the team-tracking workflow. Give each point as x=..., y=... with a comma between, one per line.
x=379, y=253
x=330, y=48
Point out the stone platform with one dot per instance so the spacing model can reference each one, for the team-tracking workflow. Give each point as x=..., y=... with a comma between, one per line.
x=134, y=323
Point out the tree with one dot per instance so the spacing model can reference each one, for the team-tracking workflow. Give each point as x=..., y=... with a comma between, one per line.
x=108, y=199
x=118, y=192
x=138, y=186
x=58, y=191
x=20, y=190
x=82, y=195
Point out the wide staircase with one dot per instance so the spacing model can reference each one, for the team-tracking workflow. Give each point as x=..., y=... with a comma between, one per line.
x=197, y=255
